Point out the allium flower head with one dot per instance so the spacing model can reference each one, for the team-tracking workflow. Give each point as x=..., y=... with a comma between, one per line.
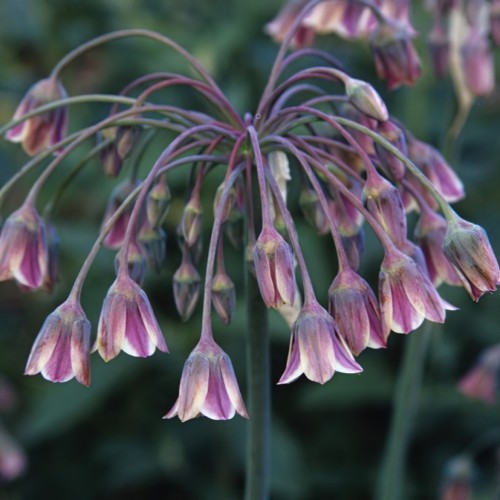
x=43, y=130
x=467, y=247
x=406, y=295
x=62, y=349
x=24, y=254
x=316, y=348
x=208, y=386
x=355, y=308
x=127, y=322
x=274, y=268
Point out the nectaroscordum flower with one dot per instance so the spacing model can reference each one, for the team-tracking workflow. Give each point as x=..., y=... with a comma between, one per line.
x=62, y=349
x=481, y=381
x=467, y=247
x=316, y=348
x=24, y=254
x=406, y=295
x=274, y=268
x=44, y=130
x=355, y=308
x=208, y=385
x=127, y=322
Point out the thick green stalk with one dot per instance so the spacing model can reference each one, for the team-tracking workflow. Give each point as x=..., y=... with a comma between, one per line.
x=258, y=466
x=391, y=477
x=259, y=394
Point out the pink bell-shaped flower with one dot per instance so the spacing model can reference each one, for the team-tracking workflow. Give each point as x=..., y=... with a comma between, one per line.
x=62, y=349
x=208, y=386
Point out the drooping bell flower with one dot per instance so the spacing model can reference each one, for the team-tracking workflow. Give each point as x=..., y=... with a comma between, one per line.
x=208, y=386
x=316, y=348
x=436, y=169
x=477, y=64
x=495, y=21
x=481, y=381
x=439, y=49
x=396, y=59
x=406, y=295
x=62, y=348
x=274, y=268
x=116, y=234
x=46, y=129
x=392, y=133
x=127, y=322
x=384, y=202
x=281, y=24
x=24, y=254
x=468, y=249
x=429, y=234
x=353, y=304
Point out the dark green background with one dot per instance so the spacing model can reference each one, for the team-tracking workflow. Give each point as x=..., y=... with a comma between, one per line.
x=109, y=441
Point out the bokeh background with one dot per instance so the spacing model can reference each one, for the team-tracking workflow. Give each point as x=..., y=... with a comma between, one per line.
x=109, y=441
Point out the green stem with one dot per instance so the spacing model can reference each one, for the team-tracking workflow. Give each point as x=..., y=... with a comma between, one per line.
x=259, y=394
x=258, y=468
x=391, y=478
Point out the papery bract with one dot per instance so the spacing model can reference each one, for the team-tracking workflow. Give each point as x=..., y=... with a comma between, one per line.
x=208, y=386
x=62, y=348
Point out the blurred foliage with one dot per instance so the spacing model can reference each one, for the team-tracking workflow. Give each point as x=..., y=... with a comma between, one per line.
x=109, y=441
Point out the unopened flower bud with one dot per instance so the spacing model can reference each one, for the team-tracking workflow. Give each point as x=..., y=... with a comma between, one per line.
x=158, y=202
x=110, y=161
x=153, y=243
x=136, y=262
x=228, y=207
x=44, y=130
x=390, y=131
x=24, y=254
x=312, y=210
x=273, y=259
x=396, y=59
x=186, y=284
x=192, y=221
x=468, y=249
x=53, y=244
x=223, y=296
x=362, y=95
x=126, y=137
